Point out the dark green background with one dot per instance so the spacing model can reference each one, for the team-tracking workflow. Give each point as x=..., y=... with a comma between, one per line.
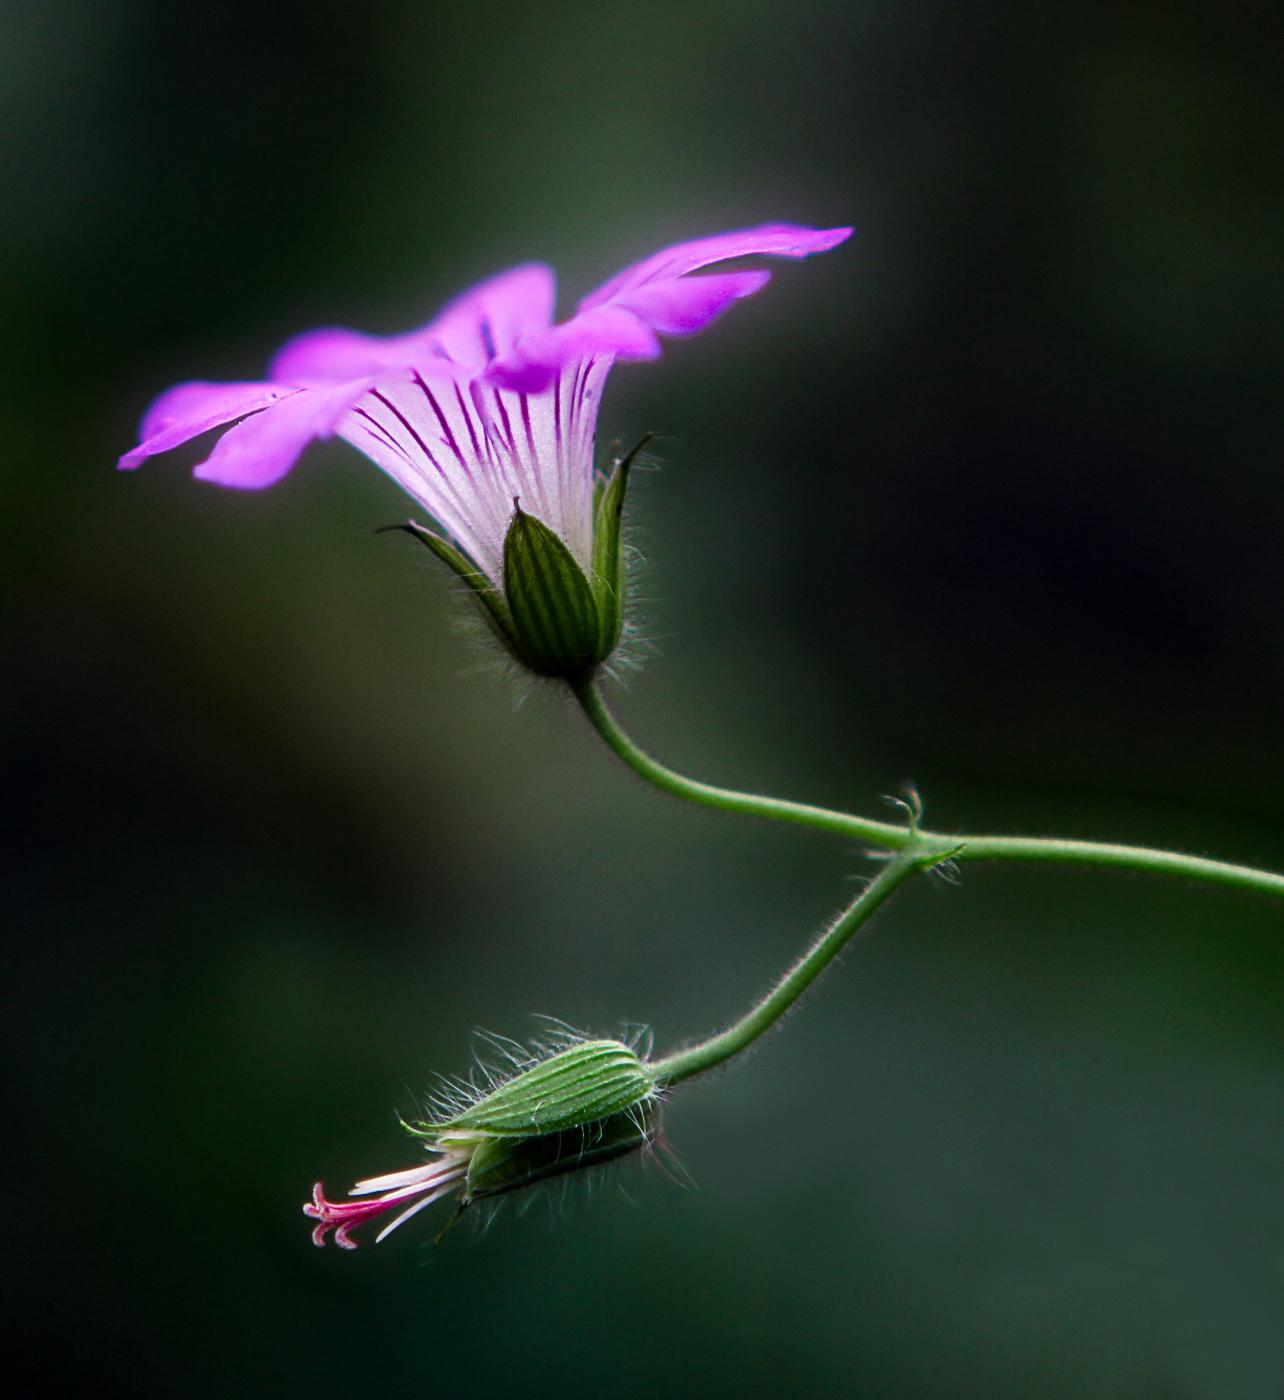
x=990, y=497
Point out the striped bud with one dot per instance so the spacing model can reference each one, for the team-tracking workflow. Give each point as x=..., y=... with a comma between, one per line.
x=582, y=1106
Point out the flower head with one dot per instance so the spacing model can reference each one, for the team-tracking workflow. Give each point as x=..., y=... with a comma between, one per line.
x=486, y=416
x=576, y=1108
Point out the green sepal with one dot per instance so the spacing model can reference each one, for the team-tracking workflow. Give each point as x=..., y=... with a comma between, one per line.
x=503, y=1164
x=608, y=555
x=553, y=618
x=483, y=589
x=577, y=1086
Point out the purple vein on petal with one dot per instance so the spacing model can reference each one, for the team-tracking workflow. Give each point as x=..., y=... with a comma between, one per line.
x=459, y=503
x=468, y=466
x=447, y=433
x=382, y=435
x=468, y=422
x=539, y=479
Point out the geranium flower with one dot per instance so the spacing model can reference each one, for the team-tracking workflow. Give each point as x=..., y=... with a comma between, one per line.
x=486, y=417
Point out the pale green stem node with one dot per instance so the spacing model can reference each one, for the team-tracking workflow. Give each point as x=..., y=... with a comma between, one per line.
x=921, y=854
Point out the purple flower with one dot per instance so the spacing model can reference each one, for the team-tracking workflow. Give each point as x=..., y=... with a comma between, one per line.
x=485, y=416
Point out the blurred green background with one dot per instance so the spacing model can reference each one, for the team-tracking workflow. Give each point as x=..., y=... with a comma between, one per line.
x=990, y=498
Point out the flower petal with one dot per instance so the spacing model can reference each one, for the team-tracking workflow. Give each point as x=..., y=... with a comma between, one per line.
x=260, y=451
x=188, y=410
x=778, y=240
x=415, y=1176
x=485, y=321
x=488, y=320
x=425, y=431
x=682, y=305
x=464, y=450
x=605, y=331
x=621, y=318
x=336, y=356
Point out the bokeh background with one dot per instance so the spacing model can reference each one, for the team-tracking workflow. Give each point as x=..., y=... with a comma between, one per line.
x=991, y=498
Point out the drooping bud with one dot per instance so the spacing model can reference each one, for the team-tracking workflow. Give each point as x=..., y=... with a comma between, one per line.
x=585, y=1105
x=577, y=1108
x=589, y=1080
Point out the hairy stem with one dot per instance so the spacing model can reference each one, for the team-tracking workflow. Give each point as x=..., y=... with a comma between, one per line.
x=696, y=1059
x=879, y=833
x=901, y=838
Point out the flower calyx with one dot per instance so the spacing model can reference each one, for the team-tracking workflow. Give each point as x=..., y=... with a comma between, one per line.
x=556, y=619
x=585, y=1105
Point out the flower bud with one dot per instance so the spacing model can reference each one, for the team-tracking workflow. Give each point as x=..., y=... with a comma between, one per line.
x=580, y=1107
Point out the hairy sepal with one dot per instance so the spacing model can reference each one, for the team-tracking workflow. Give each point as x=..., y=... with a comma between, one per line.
x=591, y=1080
x=555, y=626
x=581, y=1107
x=608, y=553
x=492, y=601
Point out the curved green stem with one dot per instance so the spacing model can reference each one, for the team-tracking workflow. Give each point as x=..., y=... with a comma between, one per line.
x=899, y=838
x=774, y=808
x=696, y=1059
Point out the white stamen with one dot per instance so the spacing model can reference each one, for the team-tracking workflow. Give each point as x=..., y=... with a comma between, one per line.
x=418, y=1206
x=394, y=1180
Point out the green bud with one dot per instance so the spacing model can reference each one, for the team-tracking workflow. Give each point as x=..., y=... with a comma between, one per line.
x=591, y=1080
x=582, y=1106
